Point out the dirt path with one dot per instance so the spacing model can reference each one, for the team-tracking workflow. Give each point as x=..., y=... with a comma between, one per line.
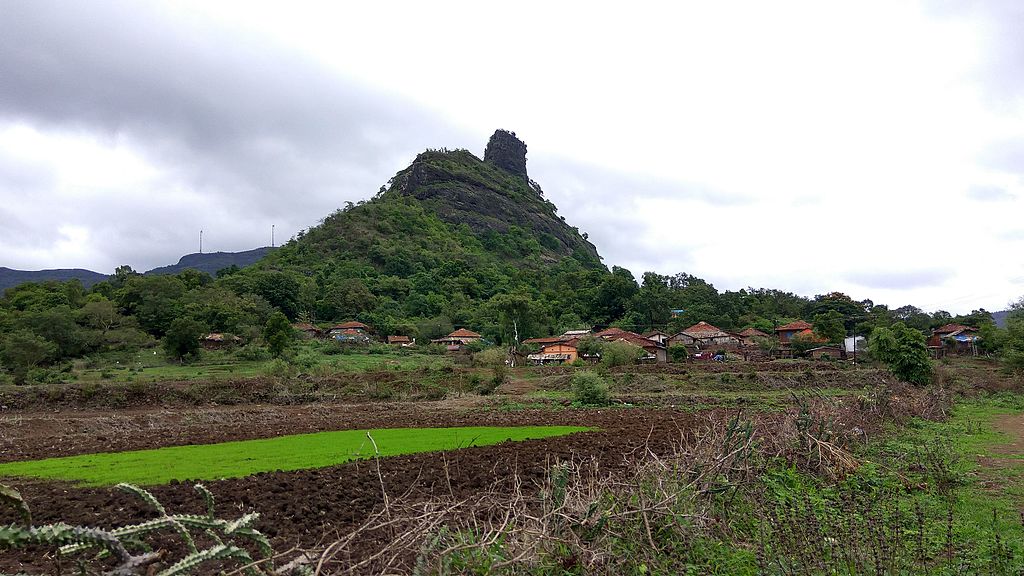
x=1012, y=425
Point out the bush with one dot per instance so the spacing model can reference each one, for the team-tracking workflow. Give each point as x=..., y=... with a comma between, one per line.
x=252, y=352
x=490, y=358
x=903, y=351
x=621, y=354
x=590, y=389
x=278, y=368
x=678, y=352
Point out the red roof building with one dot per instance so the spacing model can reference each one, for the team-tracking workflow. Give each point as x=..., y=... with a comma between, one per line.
x=952, y=329
x=795, y=326
x=350, y=325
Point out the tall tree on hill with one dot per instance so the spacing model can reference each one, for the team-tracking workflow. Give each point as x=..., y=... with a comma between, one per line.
x=653, y=302
x=614, y=294
x=829, y=325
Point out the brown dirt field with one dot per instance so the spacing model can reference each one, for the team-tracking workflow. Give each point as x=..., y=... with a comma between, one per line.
x=307, y=506
x=1012, y=425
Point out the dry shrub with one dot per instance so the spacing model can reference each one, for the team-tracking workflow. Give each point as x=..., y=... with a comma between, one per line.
x=576, y=518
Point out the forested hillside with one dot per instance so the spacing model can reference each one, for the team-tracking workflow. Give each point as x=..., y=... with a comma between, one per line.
x=451, y=241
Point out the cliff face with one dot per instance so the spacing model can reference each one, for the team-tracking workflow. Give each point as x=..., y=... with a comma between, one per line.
x=491, y=196
x=507, y=152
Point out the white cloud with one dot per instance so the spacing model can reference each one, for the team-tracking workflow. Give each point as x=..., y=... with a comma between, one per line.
x=804, y=145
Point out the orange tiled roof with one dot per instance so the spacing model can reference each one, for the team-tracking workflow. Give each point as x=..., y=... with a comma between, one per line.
x=795, y=326
x=950, y=328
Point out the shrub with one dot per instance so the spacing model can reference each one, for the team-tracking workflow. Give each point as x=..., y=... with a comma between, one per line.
x=903, y=351
x=590, y=389
x=678, y=352
x=252, y=352
x=476, y=346
x=490, y=357
x=621, y=354
x=278, y=368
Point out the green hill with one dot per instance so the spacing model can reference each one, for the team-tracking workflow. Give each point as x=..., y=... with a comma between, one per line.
x=440, y=245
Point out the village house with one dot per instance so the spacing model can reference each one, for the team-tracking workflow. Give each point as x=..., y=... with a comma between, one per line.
x=218, y=341
x=786, y=332
x=657, y=336
x=457, y=339
x=655, y=351
x=400, y=341
x=307, y=331
x=351, y=325
x=750, y=336
x=703, y=335
x=555, y=353
x=953, y=338
x=563, y=348
x=826, y=353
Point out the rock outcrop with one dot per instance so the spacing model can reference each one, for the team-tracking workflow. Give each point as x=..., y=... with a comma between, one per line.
x=507, y=152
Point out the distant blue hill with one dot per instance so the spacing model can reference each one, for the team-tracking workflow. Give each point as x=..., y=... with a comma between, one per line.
x=209, y=263
x=1000, y=318
x=10, y=278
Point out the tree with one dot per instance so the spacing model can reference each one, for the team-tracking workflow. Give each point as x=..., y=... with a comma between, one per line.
x=590, y=347
x=590, y=389
x=22, y=351
x=902, y=349
x=281, y=289
x=279, y=334
x=153, y=300
x=829, y=325
x=614, y=294
x=181, y=341
x=516, y=315
x=1013, y=345
x=100, y=315
x=653, y=301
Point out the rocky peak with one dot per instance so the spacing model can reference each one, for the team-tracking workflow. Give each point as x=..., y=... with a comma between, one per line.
x=507, y=152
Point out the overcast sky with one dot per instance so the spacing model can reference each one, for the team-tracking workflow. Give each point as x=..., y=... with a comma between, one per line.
x=875, y=148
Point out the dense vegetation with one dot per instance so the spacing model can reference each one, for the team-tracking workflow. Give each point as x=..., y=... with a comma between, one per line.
x=453, y=241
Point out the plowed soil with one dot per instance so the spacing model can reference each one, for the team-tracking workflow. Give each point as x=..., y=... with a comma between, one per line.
x=305, y=507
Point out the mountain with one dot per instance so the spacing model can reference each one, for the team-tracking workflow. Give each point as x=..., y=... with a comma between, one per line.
x=447, y=205
x=448, y=236
x=211, y=262
x=10, y=278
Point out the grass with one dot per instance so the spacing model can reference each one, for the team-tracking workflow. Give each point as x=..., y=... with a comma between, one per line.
x=153, y=366
x=242, y=458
